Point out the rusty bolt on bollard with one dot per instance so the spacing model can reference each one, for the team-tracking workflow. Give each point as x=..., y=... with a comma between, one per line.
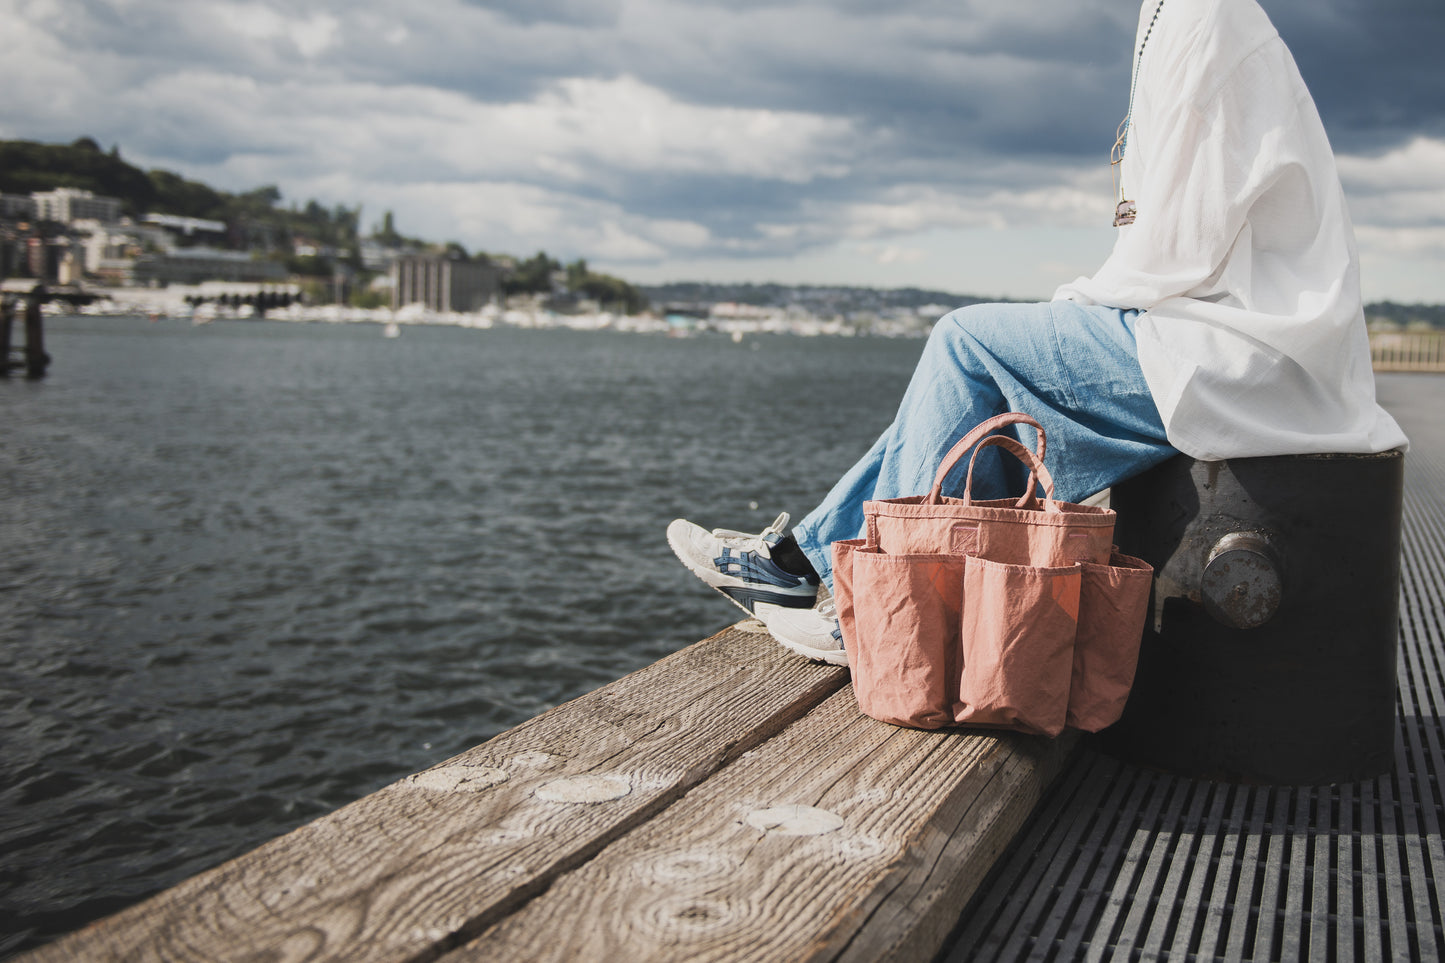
x=1241, y=585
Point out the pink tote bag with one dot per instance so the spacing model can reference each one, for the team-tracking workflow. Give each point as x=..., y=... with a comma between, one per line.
x=1010, y=613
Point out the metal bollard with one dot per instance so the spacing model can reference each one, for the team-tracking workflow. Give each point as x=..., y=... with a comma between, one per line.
x=1270, y=654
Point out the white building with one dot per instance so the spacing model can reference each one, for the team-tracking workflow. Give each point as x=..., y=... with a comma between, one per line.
x=66, y=204
x=189, y=227
x=17, y=207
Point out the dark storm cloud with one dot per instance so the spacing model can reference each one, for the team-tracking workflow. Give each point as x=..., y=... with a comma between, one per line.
x=1373, y=66
x=583, y=13
x=662, y=112
x=941, y=78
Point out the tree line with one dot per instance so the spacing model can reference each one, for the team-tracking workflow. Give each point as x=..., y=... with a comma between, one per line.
x=256, y=220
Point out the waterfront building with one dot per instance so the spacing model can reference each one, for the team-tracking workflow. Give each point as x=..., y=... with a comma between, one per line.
x=443, y=284
x=192, y=229
x=67, y=204
x=102, y=245
x=378, y=257
x=17, y=207
x=192, y=265
x=117, y=272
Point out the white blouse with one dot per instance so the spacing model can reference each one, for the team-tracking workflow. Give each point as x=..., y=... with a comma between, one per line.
x=1242, y=256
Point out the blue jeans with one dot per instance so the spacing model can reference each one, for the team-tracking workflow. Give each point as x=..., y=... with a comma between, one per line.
x=1074, y=368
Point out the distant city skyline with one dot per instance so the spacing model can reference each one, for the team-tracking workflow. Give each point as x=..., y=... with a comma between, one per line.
x=956, y=146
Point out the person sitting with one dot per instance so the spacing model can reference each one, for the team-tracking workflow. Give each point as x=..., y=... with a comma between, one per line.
x=1227, y=322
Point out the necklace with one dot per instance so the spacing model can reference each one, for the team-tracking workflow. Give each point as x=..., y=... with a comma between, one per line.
x=1125, y=210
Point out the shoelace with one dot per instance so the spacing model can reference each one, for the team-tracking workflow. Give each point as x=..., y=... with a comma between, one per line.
x=756, y=542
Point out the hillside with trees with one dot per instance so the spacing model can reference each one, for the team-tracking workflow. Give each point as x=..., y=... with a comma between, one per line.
x=258, y=221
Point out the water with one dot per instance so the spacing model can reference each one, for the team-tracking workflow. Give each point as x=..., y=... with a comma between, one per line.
x=252, y=571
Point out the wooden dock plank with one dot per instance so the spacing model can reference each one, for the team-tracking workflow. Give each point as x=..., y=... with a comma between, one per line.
x=431, y=861
x=919, y=816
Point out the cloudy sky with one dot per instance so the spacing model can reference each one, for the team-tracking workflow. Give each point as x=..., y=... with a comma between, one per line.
x=954, y=144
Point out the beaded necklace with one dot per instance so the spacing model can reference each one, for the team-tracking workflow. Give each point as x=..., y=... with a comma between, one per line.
x=1125, y=210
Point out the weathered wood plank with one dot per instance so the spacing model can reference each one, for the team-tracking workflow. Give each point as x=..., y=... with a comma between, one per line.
x=431, y=861
x=919, y=817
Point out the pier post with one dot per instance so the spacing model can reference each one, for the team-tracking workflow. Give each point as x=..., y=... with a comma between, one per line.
x=36, y=360
x=7, y=317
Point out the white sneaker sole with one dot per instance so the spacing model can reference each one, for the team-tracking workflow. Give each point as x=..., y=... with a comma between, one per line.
x=720, y=581
x=830, y=656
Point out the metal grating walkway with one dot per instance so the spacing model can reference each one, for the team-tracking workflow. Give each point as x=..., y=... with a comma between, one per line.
x=1122, y=863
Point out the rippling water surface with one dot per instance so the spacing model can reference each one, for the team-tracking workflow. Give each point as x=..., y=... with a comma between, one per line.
x=252, y=571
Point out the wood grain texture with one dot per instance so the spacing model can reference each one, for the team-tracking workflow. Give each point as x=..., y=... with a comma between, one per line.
x=423, y=865
x=721, y=875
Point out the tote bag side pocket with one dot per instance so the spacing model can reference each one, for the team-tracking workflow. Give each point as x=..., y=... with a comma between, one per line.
x=1113, y=606
x=843, y=552
x=1018, y=624
x=901, y=635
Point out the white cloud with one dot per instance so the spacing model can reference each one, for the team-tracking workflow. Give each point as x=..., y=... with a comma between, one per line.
x=510, y=217
x=578, y=130
x=661, y=131
x=255, y=21
x=910, y=208
x=312, y=35
x=315, y=36
x=894, y=254
x=1410, y=242
x=1401, y=188
x=1416, y=165
x=625, y=124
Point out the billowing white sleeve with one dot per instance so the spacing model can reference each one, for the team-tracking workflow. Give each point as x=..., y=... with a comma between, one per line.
x=1197, y=167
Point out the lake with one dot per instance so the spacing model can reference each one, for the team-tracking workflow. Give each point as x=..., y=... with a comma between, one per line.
x=252, y=571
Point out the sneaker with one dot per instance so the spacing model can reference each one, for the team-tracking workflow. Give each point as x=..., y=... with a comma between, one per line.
x=738, y=565
x=812, y=633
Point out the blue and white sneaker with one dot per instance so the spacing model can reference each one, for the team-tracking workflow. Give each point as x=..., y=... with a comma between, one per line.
x=812, y=633
x=739, y=566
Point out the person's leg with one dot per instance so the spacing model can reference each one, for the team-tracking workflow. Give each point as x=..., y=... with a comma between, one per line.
x=1074, y=368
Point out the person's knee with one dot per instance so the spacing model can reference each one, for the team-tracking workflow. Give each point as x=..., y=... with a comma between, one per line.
x=954, y=337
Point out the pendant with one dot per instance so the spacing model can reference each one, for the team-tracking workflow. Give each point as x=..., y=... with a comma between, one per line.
x=1124, y=213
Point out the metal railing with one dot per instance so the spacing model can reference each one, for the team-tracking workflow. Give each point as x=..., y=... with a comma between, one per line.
x=1408, y=350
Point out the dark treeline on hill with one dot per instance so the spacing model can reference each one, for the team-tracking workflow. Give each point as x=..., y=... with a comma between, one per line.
x=26, y=166
x=257, y=221
x=1407, y=315
x=255, y=218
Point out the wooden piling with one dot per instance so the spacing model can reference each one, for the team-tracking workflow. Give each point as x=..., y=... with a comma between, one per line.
x=7, y=318
x=36, y=360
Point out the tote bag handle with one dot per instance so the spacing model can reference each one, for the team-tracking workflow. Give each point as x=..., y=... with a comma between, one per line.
x=1036, y=469
x=968, y=441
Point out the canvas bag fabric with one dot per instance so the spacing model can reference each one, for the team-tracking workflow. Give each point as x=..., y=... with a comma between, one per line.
x=1005, y=613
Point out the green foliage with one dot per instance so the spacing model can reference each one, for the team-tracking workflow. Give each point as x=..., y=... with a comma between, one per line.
x=363, y=297
x=26, y=167
x=258, y=221
x=611, y=292
x=260, y=201
x=577, y=275
x=1407, y=315
x=387, y=233
x=173, y=194
x=309, y=265
x=532, y=276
